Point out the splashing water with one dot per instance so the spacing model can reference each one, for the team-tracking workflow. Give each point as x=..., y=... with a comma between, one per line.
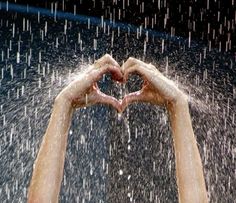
x=111, y=157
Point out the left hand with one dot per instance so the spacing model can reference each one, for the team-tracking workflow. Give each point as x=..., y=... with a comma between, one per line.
x=157, y=89
x=83, y=91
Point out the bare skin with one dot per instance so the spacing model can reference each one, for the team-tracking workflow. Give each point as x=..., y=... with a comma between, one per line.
x=48, y=169
x=157, y=89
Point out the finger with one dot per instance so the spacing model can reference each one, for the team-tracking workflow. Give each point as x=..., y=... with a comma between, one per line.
x=130, y=62
x=133, y=61
x=135, y=65
x=96, y=96
x=115, y=72
x=107, y=64
x=102, y=98
x=106, y=59
x=138, y=96
x=135, y=69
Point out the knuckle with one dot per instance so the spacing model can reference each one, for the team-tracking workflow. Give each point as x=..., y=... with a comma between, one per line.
x=153, y=67
x=107, y=56
x=131, y=59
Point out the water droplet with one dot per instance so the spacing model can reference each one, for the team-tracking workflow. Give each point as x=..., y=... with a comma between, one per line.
x=119, y=116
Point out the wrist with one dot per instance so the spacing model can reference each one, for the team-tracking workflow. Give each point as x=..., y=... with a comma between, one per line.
x=179, y=117
x=180, y=104
x=63, y=101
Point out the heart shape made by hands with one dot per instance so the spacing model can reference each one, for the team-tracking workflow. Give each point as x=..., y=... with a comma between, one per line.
x=105, y=87
x=156, y=88
x=147, y=93
x=118, y=89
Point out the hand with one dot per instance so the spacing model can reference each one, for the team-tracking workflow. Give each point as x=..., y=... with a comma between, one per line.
x=83, y=91
x=157, y=89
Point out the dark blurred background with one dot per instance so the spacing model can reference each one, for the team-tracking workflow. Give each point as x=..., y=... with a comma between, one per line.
x=209, y=21
x=140, y=143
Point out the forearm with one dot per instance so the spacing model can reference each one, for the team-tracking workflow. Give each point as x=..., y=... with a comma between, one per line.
x=189, y=171
x=49, y=165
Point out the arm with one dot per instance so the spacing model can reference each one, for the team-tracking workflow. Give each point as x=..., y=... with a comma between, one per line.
x=48, y=170
x=161, y=91
x=49, y=165
x=189, y=171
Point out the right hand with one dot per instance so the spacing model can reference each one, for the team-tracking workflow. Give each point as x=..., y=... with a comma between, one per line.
x=84, y=91
x=157, y=89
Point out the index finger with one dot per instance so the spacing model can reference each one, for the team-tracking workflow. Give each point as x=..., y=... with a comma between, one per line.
x=106, y=59
x=107, y=64
x=135, y=65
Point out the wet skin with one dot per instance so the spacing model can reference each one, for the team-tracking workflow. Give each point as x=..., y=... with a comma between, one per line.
x=83, y=91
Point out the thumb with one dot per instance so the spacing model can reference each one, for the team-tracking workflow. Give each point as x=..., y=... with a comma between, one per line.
x=138, y=96
x=102, y=98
